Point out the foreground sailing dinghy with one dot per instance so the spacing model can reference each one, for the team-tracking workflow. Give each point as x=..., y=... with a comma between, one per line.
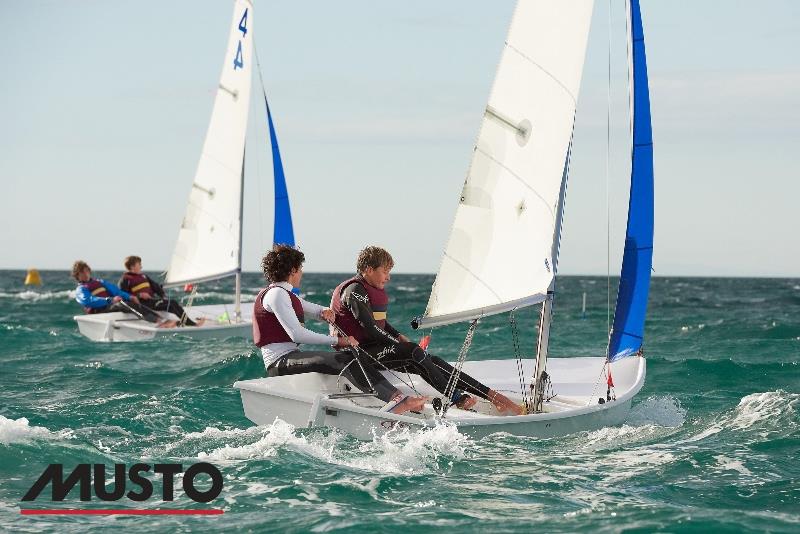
x=512, y=206
x=209, y=245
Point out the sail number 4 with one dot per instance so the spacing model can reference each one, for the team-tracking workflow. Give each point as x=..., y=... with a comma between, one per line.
x=238, y=61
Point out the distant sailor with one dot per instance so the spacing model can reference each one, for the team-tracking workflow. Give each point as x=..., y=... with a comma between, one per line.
x=279, y=327
x=150, y=292
x=98, y=296
x=361, y=307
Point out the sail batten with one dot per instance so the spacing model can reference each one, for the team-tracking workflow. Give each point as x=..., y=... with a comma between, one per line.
x=209, y=239
x=500, y=252
x=627, y=335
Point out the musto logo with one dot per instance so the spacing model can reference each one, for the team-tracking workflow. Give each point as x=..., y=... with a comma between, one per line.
x=92, y=479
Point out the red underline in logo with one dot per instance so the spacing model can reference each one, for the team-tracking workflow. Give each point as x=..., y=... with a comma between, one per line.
x=156, y=511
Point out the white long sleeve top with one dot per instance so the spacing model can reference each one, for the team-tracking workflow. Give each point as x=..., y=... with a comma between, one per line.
x=278, y=301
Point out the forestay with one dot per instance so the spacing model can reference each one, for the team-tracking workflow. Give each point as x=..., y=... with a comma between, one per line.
x=499, y=253
x=209, y=240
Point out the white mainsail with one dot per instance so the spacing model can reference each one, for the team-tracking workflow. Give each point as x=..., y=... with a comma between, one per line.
x=209, y=240
x=500, y=252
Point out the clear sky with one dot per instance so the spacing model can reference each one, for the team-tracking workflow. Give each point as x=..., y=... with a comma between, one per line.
x=104, y=107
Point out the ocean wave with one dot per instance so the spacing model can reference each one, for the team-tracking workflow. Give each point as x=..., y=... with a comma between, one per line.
x=664, y=411
x=35, y=295
x=766, y=414
x=15, y=431
x=401, y=452
x=774, y=407
x=407, y=289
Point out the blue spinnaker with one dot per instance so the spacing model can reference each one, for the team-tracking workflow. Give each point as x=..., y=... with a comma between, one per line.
x=283, y=233
x=627, y=334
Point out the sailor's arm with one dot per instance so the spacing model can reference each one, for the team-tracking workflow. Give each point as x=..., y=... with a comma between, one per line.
x=156, y=287
x=313, y=310
x=115, y=291
x=356, y=298
x=278, y=302
x=395, y=333
x=87, y=300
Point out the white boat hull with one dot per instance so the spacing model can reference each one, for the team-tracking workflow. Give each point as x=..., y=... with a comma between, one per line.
x=312, y=399
x=117, y=327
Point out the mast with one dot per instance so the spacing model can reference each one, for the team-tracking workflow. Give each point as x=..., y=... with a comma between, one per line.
x=237, y=311
x=539, y=378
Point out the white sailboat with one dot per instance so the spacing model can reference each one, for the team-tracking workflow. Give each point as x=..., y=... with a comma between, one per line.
x=209, y=244
x=512, y=206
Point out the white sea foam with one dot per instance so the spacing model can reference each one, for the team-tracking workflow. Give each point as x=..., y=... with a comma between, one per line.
x=662, y=411
x=759, y=407
x=401, y=452
x=36, y=295
x=405, y=288
x=769, y=412
x=730, y=464
x=20, y=431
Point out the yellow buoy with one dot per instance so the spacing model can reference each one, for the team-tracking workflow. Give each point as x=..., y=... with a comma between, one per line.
x=33, y=278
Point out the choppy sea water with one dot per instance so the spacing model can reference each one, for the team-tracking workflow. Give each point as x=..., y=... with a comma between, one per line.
x=712, y=442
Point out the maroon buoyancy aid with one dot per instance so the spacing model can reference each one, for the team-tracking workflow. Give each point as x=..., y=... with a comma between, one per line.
x=137, y=283
x=378, y=301
x=97, y=289
x=266, y=327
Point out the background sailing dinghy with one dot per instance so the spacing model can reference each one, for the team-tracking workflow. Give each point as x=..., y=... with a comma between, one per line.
x=209, y=245
x=511, y=206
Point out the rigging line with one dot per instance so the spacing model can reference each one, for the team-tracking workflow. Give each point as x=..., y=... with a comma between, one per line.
x=596, y=384
x=450, y=389
x=608, y=196
x=258, y=166
x=517, y=355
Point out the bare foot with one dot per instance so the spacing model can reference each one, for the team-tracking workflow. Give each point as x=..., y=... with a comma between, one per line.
x=503, y=404
x=410, y=404
x=200, y=322
x=167, y=324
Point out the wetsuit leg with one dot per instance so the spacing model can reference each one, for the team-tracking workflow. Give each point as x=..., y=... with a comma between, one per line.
x=148, y=314
x=171, y=306
x=334, y=363
x=437, y=372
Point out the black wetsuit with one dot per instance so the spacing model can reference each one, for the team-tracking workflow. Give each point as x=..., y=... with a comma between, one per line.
x=384, y=345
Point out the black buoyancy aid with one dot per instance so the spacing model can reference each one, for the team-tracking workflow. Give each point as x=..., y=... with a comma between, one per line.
x=378, y=301
x=137, y=283
x=97, y=289
x=266, y=327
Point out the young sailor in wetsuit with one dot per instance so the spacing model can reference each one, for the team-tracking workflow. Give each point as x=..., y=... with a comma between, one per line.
x=150, y=292
x=98, y=296
x=278, y=328
x=361, y=305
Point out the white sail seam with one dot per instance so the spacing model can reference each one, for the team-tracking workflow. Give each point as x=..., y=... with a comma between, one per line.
x=214, y=218
x=527, y=58
x=475, y=276
x=520, y=179
x=221, y=164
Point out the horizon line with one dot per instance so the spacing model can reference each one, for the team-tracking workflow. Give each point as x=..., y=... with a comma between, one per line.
x=350, y=273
